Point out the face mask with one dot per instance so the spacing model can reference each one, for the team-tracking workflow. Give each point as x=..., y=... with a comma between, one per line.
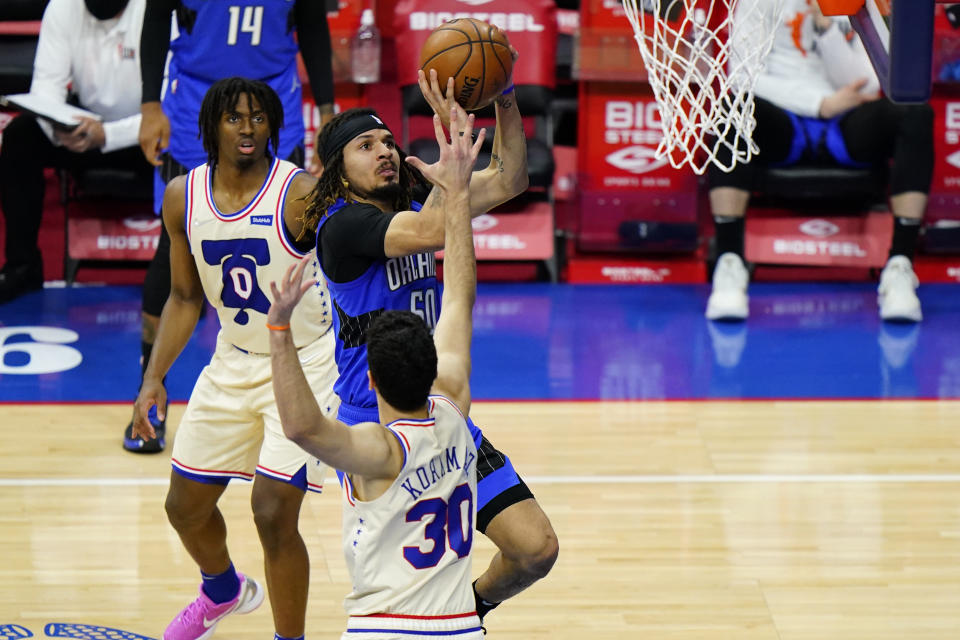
x=105, y=9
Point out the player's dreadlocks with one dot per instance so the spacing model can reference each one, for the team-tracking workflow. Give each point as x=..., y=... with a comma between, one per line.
x=222, y=97
x=332, y=185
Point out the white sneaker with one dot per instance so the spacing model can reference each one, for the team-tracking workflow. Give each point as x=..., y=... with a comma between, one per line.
x=897, y=293
x=728, y=299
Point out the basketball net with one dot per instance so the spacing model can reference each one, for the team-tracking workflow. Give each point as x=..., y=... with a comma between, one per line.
x=703, y=69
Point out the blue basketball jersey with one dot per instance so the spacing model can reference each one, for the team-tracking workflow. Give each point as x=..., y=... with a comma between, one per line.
x=218, y=39
x=408, y=283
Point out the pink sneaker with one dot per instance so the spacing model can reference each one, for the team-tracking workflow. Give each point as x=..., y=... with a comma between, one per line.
x=198, y=620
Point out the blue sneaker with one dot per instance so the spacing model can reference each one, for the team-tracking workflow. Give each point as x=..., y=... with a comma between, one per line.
x=138, y=444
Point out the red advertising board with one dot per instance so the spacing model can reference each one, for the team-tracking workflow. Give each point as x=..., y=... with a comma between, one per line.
x=512, y=233
x=945, y=189
x=612, y=269
x=531, y=26
x=619, y=130
x=112, y=231
x=847, y=241
x=620, y=177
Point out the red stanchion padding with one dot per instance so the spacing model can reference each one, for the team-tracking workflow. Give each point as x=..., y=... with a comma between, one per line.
x=840, y=7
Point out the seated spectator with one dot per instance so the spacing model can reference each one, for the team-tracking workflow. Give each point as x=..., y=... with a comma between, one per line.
x=818, y=99
x=92, y=49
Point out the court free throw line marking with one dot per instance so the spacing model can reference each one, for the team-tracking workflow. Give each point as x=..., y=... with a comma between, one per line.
x=739, y=478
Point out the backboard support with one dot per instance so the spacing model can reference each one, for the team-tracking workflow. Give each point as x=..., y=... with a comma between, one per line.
x=898, y=37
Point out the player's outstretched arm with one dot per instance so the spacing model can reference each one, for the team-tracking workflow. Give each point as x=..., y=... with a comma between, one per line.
x=180, y=312
x=413, y=232
x=366, y=449
x=506, y=176
x=455, y=326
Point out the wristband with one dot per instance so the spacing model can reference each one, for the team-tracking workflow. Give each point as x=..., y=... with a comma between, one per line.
x=508, y=89
x=275, y=327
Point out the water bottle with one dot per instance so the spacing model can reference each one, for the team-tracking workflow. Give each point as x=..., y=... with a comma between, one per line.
x=365, y=50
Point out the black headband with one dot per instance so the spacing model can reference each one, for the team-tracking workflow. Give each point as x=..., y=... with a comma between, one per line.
x=360, y=123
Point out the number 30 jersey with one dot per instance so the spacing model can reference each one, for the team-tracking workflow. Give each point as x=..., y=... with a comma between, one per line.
x=408, y=550
x=239, y=254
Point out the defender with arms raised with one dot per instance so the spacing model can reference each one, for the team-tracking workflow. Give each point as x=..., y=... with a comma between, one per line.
x=375, y=244
x=409, y=482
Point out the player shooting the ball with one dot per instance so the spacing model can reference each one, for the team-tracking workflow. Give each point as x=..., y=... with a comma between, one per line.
x=376, y=248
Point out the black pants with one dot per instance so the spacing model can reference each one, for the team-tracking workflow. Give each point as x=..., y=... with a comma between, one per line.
x=156, y=284
x=24, y=154
x=877, y=131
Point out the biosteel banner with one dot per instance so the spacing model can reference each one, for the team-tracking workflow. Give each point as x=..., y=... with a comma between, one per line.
x=629, y=198
x=531, y=26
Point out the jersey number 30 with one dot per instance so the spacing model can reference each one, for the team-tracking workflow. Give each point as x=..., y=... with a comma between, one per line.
x=446, y=525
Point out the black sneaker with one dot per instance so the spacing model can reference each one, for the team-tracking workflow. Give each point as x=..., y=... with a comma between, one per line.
x=15, y=280
x=138, y=444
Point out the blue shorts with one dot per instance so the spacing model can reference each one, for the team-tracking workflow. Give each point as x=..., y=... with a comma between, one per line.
x=816, y=138
x=498, y=484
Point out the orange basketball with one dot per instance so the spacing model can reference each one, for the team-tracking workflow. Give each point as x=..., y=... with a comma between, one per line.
x=475, y=54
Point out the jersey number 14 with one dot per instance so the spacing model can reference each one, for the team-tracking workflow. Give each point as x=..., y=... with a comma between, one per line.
x=252, y=23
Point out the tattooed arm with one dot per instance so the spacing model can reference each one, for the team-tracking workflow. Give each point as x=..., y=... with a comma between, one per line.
x=506, y=176
x=450, y=176
x=415, y=231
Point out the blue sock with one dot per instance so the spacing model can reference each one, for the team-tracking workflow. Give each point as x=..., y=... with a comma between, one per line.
x=221, y=587
x=277, y=636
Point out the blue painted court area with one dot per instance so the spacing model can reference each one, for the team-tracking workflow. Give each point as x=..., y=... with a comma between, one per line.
x=555, y=342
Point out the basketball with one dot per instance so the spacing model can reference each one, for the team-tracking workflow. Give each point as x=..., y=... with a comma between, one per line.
x=477, y=56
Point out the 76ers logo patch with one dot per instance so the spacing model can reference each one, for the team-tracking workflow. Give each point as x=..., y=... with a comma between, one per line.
x=239, y=260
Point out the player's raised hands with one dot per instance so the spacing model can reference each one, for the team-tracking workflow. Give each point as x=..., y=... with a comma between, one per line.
x=291, y=291
x=457, y=155
x=440, y=101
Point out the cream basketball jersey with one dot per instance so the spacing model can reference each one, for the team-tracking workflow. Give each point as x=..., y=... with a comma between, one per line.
x=408, y=550
x=239, y=254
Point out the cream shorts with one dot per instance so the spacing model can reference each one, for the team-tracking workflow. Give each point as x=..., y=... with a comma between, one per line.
x=231, y=428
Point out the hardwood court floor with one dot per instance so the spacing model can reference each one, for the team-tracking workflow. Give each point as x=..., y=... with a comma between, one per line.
x=704, y=520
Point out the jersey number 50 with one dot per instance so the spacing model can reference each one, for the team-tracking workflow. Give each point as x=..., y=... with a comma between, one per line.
x=423, y=302
x=445, y=526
